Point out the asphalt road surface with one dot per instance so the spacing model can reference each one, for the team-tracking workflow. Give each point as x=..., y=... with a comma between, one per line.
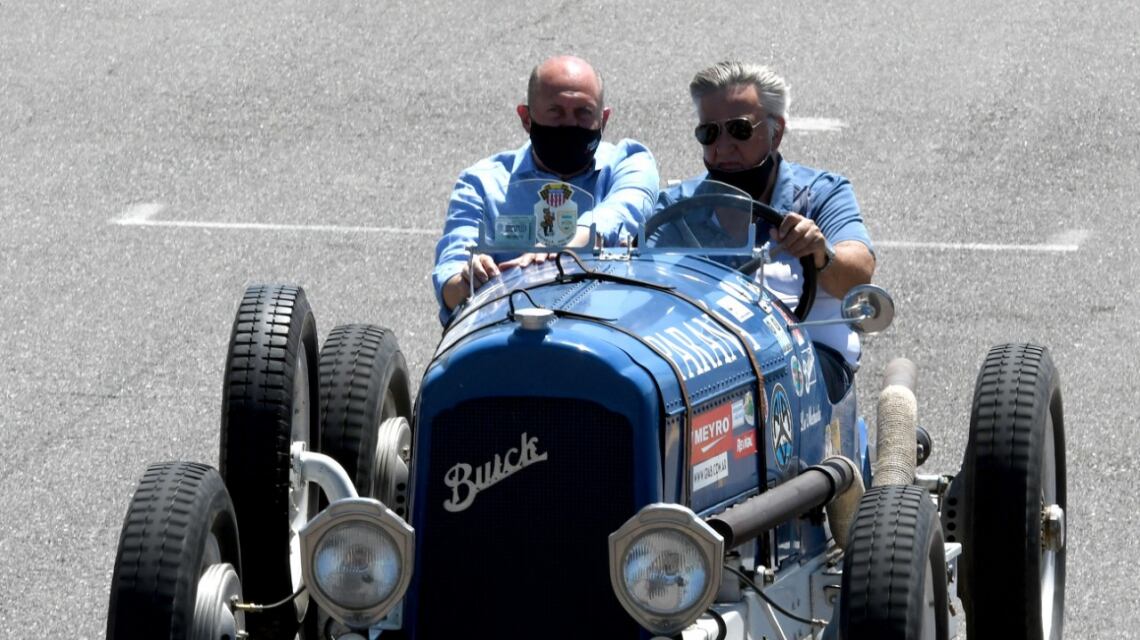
x=995, y=149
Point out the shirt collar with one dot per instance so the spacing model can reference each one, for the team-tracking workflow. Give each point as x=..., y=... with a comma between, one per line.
x=783, y=193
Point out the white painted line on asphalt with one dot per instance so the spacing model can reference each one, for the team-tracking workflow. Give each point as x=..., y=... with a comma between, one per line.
x=140, y=215
x=976, y=246
x=815, y=124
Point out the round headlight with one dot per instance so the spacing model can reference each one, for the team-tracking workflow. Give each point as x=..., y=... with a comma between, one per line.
x=665, y=567
x=356, y=560
x=665, y=571
x=357, y=564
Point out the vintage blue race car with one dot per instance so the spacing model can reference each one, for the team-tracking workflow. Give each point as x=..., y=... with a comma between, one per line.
x=622, y=442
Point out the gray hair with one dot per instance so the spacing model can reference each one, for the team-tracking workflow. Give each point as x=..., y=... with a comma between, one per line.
x=770, y=86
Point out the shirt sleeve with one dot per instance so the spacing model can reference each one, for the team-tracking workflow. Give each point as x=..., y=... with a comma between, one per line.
x=460, y=231
x=836, y=211
x=632, y=191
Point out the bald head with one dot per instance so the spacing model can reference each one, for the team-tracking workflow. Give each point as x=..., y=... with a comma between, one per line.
x=564, y=75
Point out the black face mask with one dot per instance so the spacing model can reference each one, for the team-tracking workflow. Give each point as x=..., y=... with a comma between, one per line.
x=753, y=180
x=564, y=150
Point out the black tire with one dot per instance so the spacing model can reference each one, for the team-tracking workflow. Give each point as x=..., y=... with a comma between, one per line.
x=179, y=522
x=364, y=382
x=1014, y=467
x=894, y=570
x=270, y=393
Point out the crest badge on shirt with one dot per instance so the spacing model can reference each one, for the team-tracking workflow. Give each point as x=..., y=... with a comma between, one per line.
x=555, y=215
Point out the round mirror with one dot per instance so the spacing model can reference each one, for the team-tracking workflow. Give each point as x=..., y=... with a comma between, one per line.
x=870, y=307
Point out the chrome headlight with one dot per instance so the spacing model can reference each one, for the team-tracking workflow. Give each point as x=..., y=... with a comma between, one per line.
x=665, y=567
x=357, y=560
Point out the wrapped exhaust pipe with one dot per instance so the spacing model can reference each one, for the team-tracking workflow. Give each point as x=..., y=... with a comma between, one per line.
x=895, y=446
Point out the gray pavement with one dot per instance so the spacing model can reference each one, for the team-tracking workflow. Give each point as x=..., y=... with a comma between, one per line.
x=1012, y=124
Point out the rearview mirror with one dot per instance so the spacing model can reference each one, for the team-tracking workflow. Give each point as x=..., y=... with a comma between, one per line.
x=869, y=308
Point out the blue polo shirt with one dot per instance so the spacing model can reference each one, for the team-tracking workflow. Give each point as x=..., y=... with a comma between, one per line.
x=828, y=200
x=623, y=180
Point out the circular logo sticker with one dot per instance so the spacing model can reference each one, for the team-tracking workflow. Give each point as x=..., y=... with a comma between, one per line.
x=797, y=375
x=780, y=419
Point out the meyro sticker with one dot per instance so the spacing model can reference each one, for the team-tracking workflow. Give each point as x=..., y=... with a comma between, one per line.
x=712, y=433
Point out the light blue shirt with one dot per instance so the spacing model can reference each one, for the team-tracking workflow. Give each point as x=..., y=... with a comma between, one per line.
x=827, y=199
x=624, y=182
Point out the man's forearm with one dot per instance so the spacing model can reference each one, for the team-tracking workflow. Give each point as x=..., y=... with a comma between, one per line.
x=853, y=265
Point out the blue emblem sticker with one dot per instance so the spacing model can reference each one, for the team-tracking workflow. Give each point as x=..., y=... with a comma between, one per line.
x=780, y=419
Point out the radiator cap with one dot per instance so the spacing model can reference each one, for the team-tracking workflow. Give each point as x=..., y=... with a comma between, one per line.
x=534, y=319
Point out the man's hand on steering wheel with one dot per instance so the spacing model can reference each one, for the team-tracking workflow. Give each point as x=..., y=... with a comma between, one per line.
x=801, y=237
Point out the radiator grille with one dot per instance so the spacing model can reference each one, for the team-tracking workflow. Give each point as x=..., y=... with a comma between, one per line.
x=528, y=557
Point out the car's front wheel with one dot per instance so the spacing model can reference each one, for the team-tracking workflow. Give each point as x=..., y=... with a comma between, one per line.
x=178, y=567
x=894, y=569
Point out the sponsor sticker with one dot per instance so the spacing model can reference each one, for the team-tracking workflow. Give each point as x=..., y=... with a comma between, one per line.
x=518, y=230
x=737, y=413
x=778, y=331
x=833, y=444
x=809, y=369
x=556, y=214
x=780, y=419
x=797, y=372
x=749, y=409
x=712, y=433
x=810, y=417
x=710, y=471
x=764, y=304
x=735, y=307
x=745, y=444
x=798, y=335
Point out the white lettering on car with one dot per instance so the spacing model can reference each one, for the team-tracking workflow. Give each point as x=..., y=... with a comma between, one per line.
x=464, y=487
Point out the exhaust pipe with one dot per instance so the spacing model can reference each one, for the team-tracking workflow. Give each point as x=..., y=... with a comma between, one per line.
x=813, y=488
x=895, y=448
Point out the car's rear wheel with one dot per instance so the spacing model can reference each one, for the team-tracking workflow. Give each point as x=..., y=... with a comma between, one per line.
x=366, y=408
x=894, y=569
x=179, y=563
x=1014, y=549
x=269, y=402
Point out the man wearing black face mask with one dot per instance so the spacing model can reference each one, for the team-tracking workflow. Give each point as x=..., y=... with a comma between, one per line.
x=564, y=117
x=742, y=117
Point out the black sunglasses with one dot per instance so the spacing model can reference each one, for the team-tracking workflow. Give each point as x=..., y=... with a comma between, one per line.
x=739, y=128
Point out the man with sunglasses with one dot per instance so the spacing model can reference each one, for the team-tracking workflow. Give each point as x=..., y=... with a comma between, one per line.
x=742, y=117
x=564, y=116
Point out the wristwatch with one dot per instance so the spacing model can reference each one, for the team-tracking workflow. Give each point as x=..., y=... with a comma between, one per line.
x=828, y=256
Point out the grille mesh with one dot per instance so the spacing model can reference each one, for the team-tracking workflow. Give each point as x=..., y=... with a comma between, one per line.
x=528, y=557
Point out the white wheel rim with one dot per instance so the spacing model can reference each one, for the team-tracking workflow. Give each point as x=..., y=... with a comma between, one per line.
x=213, y=618
x=300, y=500
x=929, y=619
x=1048, y=497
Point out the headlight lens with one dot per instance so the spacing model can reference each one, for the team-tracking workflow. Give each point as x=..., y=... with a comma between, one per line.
x=356, y=560
x=357, y=564
x=664, y=567
x=665, y=572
